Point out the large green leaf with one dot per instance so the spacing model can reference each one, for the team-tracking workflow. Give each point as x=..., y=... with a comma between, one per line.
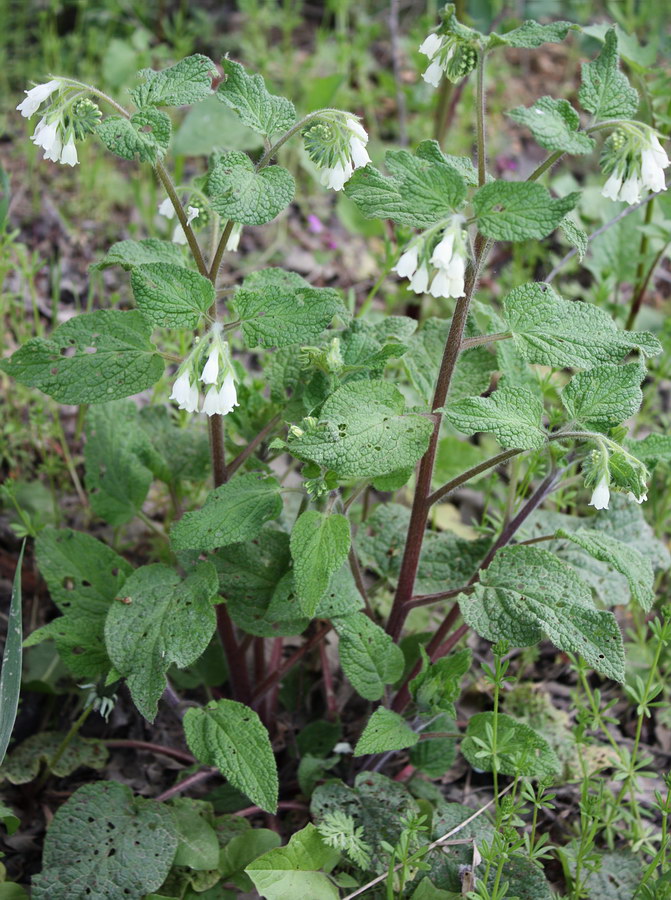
x=532, y=34
x=519, y=210
x=159, y=621
x=555, y=125
x=230, y=736
x=128, y=254
x=523, y=750
x=188, y=81
x=319, y=546
x=241, y=193
x=297, y=870
x=364, y=431
x=170, y=296
x=234, y=512
x=368, y=656
x=385, y=730
x=604, y=395
x=605, y=91
x=104, y=843
x=513, y=414
x=248, y=96
x=145, y=135
x=91, y=358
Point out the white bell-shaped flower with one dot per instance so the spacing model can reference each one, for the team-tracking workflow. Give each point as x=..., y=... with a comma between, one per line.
x=431, y=45
x=185, y=392
x=69, y=153
x=420, y=280
x=611, y=189
x=351, y=153
x=211, y=369
x=36, y=96
x=407, y=264
x=601, y=494
x=165, y=208
x=234, y=238
x=630, y=191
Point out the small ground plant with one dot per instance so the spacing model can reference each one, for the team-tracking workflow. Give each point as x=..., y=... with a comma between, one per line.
x=305, y=606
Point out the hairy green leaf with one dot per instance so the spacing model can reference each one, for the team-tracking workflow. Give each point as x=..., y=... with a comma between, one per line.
x=171, y=296
x=234, y=512
x=248, y=96
x=513, y=414
x=230, y=736
x=523, y=751
x=145, y=135
x=128, y=254
x=519, y=210
x=576, y=237
x=385, y=730
x=319, y=546
x=531, y=34
x=188, y=81
x=555, y=125
x=241, y=193
x=159, y=621
x=364, y=431
x=103, y=843
x=605, y=90
x=368, y=656
x=91, y=358
x=604, y=395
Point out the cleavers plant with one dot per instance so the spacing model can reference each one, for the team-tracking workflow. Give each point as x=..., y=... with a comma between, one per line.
x=321, y=421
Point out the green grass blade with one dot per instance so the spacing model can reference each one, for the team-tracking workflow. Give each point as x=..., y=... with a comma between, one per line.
x=10, y=676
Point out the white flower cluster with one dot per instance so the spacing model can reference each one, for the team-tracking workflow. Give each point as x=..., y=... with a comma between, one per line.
x=443, y=272
x=636, y=161
x=216, y=375
x=352, y=157
x=51, y=133
x=447, y=56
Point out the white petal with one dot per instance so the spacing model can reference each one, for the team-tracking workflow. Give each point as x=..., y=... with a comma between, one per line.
x=632, y=496
x=69, y=154
x=431, y=45
x=192, y=401
x=211, y=402
x=339, y=175
x=659, y=152
x=600, y=495
x=433, y=74
x=611, y=189
x=178, y=235
x=36, y=96
x=184, y=393
x=192, y=212
x=407, y=264
x=211, y=367
x=440, y=286
x=442, y=253
x=165, y=208
x=358, y=129
x=46, y=135
x=359, y=153
x=630, y=191
x=652, y=175
x=228, y=396
x=420, y=280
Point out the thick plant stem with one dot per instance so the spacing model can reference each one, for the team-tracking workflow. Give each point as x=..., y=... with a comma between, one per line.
x=217, y=450
x=421, y=503
x=642, y=279
x=235, y=658
x=471, y=473
x=480, y=101
x=278, y=674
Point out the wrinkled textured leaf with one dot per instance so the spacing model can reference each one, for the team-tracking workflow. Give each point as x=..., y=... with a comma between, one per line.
x=529, y=753
x=171, y=296
x=171, y=452
x=91, y=358
x=368, y=656
x=531, y=34
x=230, y=736
x=527, y=592
x=146, y=135
x=238, y=192
x=188, y=81
x=576, y=237
x=555, y=125
x=103, y=843
x=513, y=414
x=552, y=331
x=319, y=547
x=248, y=96
x=419, y=192
x=653, y=449
x=618, y=876
x=128, y=254
x=116, y=479
x=364, y=431
x=234, y=512
x=296, y=870
x=604, y=395
x=159, y=621
x=620, y=556
x=24, y=762
x=519, y=210
x=385, y=730
x=605, y=90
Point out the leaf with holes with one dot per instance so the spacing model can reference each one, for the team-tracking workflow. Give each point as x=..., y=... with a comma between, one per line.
x=385, y=730
x=24, y=762
x=513, y=414
x=605, y=395
x=160, y=620
x=364, y=431
x=551, y=331
x=239, y=192
x=605, y=90
x=522, y=751
x=91, y=358
x=102, y=843
x=171, y=296
x=527, y=592
x=187, y=82
x=620, y=556
x=128, y=254
x=247, y=94
x=368, y=656
x=234, y=512
x=116, y=478
x=319, y=546
x=555, y=125
x=230, y=736
x=420, y=191
x=145, y=135
x=519, y=210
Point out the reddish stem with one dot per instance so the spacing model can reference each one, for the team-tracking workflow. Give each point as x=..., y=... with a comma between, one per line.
x=180, y=755
x=237, y=664
x=331, y=702
x=187, y=783
x=275, y=677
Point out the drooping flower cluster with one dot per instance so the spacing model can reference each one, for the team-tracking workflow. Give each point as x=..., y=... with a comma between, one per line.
x=634, y=160
x=612, y=468
x=66, y=118
x=436, y=266
x=449, y=55
x=209, y=365
x=338, y=147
